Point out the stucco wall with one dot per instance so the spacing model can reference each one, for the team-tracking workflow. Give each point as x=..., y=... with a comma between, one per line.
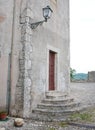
x=30, y=50
x=53, y=35
x=6, y=17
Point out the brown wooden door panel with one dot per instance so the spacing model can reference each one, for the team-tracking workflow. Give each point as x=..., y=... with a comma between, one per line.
x=51, y=70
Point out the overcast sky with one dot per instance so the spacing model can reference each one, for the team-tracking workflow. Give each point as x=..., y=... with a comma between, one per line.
x=82, y=35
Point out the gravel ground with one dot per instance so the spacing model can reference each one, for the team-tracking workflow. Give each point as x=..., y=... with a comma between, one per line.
x=82, y=92
x=33, y=125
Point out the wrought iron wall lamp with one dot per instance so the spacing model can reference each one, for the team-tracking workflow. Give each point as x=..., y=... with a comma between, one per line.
x=46, y=14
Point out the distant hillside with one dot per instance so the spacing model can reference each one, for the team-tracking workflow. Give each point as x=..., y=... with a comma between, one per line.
x=80, y=76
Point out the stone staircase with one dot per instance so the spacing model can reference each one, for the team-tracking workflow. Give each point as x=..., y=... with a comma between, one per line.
x=55, y=107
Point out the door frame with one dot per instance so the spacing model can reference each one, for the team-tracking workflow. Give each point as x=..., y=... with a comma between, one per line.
x=56, y=51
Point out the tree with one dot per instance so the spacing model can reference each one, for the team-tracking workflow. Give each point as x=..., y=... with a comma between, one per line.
x=72, y=73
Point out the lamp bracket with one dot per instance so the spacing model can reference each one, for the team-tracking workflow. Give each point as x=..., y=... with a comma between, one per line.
x=35, y=25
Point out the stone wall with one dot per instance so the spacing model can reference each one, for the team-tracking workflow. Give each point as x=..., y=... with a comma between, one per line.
x=23, y=88
x=91, y=76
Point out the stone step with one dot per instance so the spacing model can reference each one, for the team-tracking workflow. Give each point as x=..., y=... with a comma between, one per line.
x=63, y=115
x=56, y=97
x=49, y=115
x=55, y=112
x=57, y=101
x=55, y=94
x=58, y=106
x=48, y=118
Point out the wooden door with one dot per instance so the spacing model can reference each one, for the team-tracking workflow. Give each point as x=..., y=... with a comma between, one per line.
x=51, y=70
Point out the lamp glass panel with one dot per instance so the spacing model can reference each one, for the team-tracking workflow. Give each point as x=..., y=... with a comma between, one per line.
x=45, y=12
x=49, y=14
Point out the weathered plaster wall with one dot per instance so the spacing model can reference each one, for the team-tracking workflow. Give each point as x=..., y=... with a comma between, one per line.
x=15, y=56
x=55, y=34
x=35, y=44
x=30, y=50
x=6, y=17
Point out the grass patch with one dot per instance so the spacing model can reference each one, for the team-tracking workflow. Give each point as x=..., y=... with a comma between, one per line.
x=63, y=124
x=82, y=117
x=51, y=129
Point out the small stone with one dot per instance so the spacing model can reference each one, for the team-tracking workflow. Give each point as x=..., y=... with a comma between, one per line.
x=2, y=128
x=18, y=122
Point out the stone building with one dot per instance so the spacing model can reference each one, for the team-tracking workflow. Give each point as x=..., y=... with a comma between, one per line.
x=91, y=76
x=28, y=56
